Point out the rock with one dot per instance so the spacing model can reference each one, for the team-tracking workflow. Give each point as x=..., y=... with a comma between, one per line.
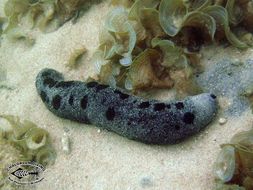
x=222, y=121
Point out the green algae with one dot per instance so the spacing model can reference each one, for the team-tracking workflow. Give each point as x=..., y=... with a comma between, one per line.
x=131, y=27
x=8, y=155
x=32, y=142
x=47, y=15
x=2, y=21
x=176, y=29
x=22, y=141
x=75, y=57
x=234, y=165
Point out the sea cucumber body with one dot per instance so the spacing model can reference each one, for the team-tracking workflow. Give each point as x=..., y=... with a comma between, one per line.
x=148, y=121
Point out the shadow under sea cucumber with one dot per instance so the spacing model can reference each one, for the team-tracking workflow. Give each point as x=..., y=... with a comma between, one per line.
x=147, y=121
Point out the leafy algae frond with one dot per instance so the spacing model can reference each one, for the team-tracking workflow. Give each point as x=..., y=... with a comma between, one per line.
x=174, y=31
x=22, y=141
x=44, y=13
x=32, y=142
x=234, y=166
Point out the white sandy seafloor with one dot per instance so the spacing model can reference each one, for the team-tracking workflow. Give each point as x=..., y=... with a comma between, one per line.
x=102, y=160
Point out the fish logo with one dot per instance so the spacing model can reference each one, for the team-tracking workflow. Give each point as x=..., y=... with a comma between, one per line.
x=20, y=173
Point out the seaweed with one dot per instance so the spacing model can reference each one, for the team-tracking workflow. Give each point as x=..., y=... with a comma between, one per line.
x=33, y=143
x=8, y=155
x=47, y=15
x=3, y=82
x=2, y=21
x=75, y=57
x=146, y=65
x=17, y=34
x=234, y=165
x=176, y=30
x=248, y=93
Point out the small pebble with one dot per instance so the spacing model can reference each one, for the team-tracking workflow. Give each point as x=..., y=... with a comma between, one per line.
x=99, y=130
x=65, y=143
x=222, y=121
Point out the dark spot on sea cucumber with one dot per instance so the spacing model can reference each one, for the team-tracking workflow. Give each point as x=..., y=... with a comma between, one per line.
x=168, y=106
x=124, y=96
x=43, y=96
x=64, y=84
x=84, y=102
x=50, y=82
x=121, y=95
x=71, y=100
x=179, y=105
x=213, y=96
x=188, y=118
x=91, y=84
x=117, y=91
x=101, y=87
x=103, y=100
x=110, y=114
x=129, y=123
x=177, y=127
x=144, y=105
x=159, y=106
x=56, y=102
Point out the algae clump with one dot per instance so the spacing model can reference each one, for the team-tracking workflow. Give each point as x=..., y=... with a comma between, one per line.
x=22, y=141
x=174, y=30
x=33, y=143
x=44, y=13
x=234, y=166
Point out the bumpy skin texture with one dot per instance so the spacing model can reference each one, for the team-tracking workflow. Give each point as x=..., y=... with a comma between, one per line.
x=148, y=121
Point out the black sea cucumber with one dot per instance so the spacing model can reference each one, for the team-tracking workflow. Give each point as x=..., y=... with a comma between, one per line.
x=148, y=121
